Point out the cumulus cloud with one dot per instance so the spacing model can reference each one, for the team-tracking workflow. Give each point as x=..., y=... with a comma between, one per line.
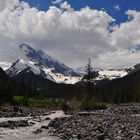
x=7, y=4
x=121, y=58
x=71, y=36
x=127, y=34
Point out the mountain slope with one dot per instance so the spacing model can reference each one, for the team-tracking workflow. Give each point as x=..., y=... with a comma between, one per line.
x=29, y=77
x=43, y=65
x=125, y=89
x=3, y=75
x=110, y=74
x=104, y=74
x=44, y=60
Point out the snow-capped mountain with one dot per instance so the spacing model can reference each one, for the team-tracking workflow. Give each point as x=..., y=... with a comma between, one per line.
x=43, y=60
x=43, y=65
x=110, y=74
x=133, y=69
x=22, y=64
x=25, y=57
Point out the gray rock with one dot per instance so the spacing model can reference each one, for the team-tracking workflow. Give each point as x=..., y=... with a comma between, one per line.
x=114, y=123
x=38, y=131
x=14, y=124
x=136, y=137
x=44, y=127
x=118, y=138
x=100, y=136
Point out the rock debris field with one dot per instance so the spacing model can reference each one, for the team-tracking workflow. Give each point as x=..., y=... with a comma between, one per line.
x=118, y=122
x=115, y=123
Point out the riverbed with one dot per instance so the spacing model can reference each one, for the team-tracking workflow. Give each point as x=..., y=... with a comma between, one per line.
x=32, y=132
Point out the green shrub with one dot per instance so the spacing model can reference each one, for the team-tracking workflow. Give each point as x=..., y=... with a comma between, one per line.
x=92, y=104
x=18, y=100
x=44, y=102
x=33, y=102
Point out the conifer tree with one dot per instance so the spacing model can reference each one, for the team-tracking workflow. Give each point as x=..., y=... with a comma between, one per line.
x=89, y=77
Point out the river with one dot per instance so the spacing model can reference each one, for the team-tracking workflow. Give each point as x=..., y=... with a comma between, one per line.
x=27, y=133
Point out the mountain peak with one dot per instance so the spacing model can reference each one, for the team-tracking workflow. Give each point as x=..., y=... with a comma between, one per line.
x=41, y=64
x=29, y=52
x=25, y=47
x=44, y=60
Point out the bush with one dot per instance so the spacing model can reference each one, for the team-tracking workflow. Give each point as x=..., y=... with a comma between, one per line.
x=44, y=102
x=92, y=104
x=33, y=102
x=18, y=100
x=74, y=104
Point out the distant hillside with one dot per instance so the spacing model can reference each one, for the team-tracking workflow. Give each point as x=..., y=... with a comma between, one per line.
x=122, y=89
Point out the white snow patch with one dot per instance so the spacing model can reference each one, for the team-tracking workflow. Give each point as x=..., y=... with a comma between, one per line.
x=23, y=64
x=60, y=78
x=112, y=74
x=50, y=73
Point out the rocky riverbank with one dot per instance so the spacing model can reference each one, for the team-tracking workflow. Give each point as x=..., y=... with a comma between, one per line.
x=26, y=123
x=114, y=123
x=15, y=111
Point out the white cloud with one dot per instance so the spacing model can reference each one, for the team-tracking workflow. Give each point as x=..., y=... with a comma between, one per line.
x=127, y=34
x=56, y=1
x=65, y=6
x=121, y=58
x=117, y=7
x=71, y=36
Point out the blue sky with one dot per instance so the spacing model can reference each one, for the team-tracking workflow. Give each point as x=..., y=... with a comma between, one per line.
x=108, y=5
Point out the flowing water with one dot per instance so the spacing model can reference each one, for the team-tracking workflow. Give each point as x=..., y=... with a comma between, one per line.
x=27, y=133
